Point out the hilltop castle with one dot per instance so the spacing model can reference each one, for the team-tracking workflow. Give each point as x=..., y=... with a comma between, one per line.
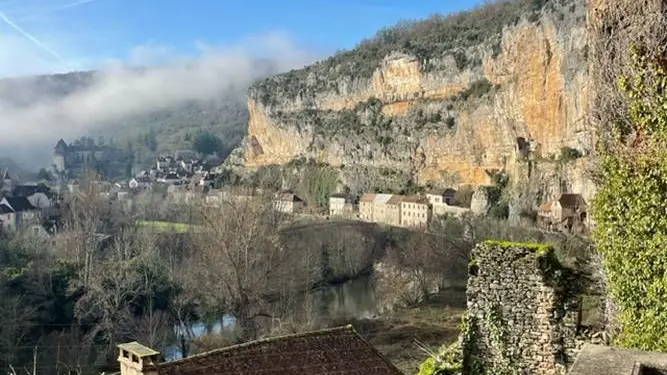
x=82, y=153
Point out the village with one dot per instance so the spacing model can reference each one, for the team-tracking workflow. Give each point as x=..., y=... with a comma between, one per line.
x=184, y=177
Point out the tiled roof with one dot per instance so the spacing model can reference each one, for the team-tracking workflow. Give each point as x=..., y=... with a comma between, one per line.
x=415, y=199
x=4, y=209
x=395, y=200
x=367, y=197
x=382, y=198
x=288, y=197
x=339, y=351
x=598, y=359
x=19, y=204
x=27, y=190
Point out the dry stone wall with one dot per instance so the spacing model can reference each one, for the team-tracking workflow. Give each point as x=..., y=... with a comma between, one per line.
x=523, y=310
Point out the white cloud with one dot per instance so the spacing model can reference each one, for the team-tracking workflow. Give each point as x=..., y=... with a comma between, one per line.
x=120, y=91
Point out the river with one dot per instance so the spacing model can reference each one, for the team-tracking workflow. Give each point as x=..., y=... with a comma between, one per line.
x=352, y=299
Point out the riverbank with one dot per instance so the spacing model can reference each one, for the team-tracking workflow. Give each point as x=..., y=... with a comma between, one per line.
x=433, y=323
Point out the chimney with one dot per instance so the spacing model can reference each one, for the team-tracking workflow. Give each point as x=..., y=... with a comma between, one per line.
x=136, y=359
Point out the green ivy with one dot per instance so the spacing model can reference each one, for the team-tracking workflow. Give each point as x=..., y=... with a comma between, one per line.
x=630, y=208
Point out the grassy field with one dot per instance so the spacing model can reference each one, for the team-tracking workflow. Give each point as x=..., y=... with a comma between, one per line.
x=166, y=226
x=433, y=324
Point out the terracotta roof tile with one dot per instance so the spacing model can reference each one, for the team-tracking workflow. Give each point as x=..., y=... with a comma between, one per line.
x=395, y=200
x=415, y=199
x=339, y=351
x=367, y=197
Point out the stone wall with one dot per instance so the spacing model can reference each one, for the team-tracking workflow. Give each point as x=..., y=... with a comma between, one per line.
x=523, y=310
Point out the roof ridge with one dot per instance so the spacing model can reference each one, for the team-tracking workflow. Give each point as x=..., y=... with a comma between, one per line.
x=348, y=328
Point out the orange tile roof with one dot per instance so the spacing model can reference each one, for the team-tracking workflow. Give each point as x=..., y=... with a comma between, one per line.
x=368, y=197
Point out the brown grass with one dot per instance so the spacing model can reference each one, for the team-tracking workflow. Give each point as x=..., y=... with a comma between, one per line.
x=434, y=324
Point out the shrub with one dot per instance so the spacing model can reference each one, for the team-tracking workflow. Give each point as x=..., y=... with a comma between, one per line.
x=568, y=154
x=478, y=89
x=450, y=122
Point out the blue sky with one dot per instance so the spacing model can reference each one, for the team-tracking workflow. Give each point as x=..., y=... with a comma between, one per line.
x=86, y=34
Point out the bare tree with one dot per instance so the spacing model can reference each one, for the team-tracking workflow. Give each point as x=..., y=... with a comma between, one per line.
x=240, y=266
x=112, y=286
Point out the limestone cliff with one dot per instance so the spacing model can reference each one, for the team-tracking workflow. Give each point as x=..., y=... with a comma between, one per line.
x=512, y=101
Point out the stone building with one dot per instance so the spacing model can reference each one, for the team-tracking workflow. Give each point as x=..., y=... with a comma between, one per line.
x=75, y=157
x=342, y=205
x=288, y=202
x=391, y=212
x=366, y=207
x=17, y=213
x=415, y=211
x=567, y=214
x=523, y=314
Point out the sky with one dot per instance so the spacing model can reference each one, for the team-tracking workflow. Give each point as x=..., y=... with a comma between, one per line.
x=88, y=34
x=196, y=50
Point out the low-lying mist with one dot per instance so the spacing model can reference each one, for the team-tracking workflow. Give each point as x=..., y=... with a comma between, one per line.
x=37, y=111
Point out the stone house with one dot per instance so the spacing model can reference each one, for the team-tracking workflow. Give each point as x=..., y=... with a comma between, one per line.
x=366, y=207
x=337, y=350
x=341, y=205
x=17, y=212
x=40, y=196
x=288, y=202
x=214, y=197
x=240, y=193
x=444, y=196
x=415, y=211
x=381, y=212
x=392, y=211
x=568, y=213
x=7, y=219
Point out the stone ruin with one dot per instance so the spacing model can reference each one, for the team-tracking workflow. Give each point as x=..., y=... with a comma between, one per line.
x=523, y=311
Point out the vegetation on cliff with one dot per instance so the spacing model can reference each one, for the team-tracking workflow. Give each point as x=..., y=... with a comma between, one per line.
x=435, y=37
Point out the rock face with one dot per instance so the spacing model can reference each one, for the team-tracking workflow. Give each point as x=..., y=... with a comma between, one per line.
x=447, y=119
x=523, y=310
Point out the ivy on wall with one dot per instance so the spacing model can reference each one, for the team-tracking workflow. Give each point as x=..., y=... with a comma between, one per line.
x=631, y=207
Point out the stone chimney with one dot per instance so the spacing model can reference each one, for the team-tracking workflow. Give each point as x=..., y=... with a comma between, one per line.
x=136, y=359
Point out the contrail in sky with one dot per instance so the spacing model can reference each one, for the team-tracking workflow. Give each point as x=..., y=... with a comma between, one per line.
x=32, y=38
x=73, y=4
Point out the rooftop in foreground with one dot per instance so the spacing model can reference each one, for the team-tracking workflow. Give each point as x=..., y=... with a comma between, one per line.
x=607, y=360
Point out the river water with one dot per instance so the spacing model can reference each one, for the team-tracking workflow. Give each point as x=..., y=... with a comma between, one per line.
x=352, y=299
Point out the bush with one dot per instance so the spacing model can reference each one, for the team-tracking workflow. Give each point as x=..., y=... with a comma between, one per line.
x=450, y=122
x=478, y=89
x=568, y=154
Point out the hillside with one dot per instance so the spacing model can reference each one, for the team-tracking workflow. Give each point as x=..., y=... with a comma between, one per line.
x=129, y=105
x=441, y=101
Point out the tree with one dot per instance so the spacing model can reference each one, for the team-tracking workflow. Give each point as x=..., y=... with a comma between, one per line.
x=240, y=266
x=207, y=143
